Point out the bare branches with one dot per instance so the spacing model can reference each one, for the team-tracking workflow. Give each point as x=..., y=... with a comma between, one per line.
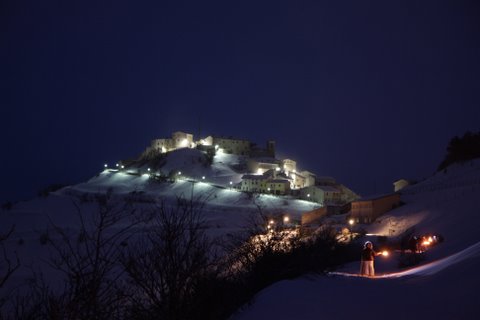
x=166, y=266
x=9, y=265
x=89, y=260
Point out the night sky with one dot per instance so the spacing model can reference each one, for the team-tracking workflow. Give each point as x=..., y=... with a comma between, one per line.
x=364, y=91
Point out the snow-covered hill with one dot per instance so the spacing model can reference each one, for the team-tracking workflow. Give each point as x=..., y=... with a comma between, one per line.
x=226, y=210
x=445, y=286
x=446, y=203
x=225, y=207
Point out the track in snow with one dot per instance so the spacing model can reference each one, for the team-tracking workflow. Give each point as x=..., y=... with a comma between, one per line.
x=424, y=270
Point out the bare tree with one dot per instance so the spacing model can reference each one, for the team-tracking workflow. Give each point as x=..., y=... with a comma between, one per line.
x=168, y=263
x=89, y=262
x=7, y=266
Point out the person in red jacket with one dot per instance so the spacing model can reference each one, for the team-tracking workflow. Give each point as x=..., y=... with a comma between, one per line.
x=367, y=262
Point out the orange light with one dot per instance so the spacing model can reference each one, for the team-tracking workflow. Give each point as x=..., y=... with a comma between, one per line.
x=385, y=253
x=426, y=243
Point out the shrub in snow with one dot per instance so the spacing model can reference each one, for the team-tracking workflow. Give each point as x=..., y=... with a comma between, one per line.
x=410, y=260
x=51, y=188
x=7, y=205
x=44, y=238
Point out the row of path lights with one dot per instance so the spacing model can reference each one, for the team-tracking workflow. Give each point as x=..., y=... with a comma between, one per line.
x=116, y=165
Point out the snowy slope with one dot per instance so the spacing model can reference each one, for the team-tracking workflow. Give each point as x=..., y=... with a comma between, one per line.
x=225, y=211
x=443, y=287
x=446, y=204
x=448, y=294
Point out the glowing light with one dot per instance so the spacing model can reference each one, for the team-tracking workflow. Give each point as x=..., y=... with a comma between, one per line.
x=385, y=253
x=308, y=195
x=231, y=182
x=164, y=149
x=430, y=239
x=148, y=169
x=116, y=165
x=278, y=169
x=268, y=189
x=105, y=165
x=185, y=142
x=216, y=147
x=351, y=222
x=203, y=177
x=426, y=243
x=123, y=167
x=271, y=222
x=145, y=175
x=286, y=219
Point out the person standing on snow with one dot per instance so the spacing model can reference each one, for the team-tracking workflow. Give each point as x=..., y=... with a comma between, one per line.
x=368, y=256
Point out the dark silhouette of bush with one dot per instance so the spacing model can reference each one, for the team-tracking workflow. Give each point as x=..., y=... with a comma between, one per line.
x=7, y=205
x=461, y=149
x=51, y=188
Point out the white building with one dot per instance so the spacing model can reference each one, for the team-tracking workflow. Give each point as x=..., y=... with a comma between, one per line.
x=179, y=140
x=289, y=165
x=230, y=145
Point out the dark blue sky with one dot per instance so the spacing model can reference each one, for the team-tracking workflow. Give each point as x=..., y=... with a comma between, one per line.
x=364, y=91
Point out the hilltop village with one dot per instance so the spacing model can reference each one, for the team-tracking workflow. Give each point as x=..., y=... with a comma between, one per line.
x=261, y=172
